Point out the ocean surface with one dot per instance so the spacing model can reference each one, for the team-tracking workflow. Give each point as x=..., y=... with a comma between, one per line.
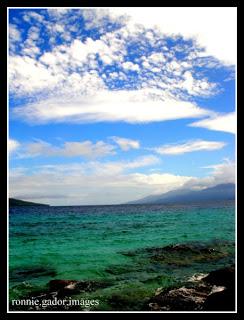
x=114, y=244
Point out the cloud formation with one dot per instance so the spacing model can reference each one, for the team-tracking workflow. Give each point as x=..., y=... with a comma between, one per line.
x=13, y=145
x=107, y=78
x=174, y=21
x=86, y=149
x=126, y=144
x=189, y=146
x=95, y=183
x=145, y=105
x=135, y=66
x=222, y=122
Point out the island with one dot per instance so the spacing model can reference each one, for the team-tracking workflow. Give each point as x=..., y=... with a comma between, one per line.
x=21, y=203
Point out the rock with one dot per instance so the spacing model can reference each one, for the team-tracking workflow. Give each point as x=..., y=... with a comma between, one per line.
x=197, y=277
x=214, y=292
x=69, y=287
x=217, y=289
x=224, y=277
x=92, y=285
x=27, y=273
x=181, y=299
x=55, y=285
x=220, y=301
x=185, y=254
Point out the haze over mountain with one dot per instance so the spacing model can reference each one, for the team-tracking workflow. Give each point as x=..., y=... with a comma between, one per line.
x=219, y=192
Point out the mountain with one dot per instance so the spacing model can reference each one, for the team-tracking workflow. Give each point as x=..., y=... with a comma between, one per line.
x=18, y=203
x=216, y=193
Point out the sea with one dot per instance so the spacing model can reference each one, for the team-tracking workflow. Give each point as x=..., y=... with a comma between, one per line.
x=116, y=244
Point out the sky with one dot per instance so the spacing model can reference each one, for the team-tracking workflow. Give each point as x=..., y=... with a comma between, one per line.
x=110, y=105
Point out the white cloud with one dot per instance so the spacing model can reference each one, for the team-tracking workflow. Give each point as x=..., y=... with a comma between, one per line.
x=219, y=173
x=91, y=183
x=157, y=57
x=133, y=106
x=190, y=146
x=28, y=75
x=53, y=69
x=95, y=183
x=215, y=29
x=30, y=16
x=85, y=149
x=196, y=87
x=97, y=18
x=222, y=122
x=13, y=145
x=130, y=66
x=15, y=37
x=126, y=144
x=223, y=172
x=14, y=33
x=73, y=85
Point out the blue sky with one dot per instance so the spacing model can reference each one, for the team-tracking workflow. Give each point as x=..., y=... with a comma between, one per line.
x=110, y=105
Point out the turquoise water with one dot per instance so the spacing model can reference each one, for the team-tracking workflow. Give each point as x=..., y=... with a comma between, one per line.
x=96, y=242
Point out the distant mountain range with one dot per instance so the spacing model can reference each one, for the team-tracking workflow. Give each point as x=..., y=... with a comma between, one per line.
x=18, y=203
x=216, y=193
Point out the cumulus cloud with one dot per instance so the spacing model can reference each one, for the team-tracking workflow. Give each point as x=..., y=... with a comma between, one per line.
x=189, y=146
x=222, y=122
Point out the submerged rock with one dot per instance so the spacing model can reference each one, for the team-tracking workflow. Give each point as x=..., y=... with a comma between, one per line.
x=185, y=254
x=28, y=273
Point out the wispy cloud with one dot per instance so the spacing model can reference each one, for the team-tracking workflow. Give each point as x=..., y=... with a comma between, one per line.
x=111, y=106
x=13, y=145
x=223, y=122
x=190, y=146
x=86, y=149
x=126, y=144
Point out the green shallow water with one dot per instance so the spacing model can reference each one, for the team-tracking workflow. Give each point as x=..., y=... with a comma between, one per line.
x=109, y=242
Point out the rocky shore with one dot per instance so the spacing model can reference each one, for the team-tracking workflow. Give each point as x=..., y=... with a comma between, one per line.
x=136, y=286
x=213, y=292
